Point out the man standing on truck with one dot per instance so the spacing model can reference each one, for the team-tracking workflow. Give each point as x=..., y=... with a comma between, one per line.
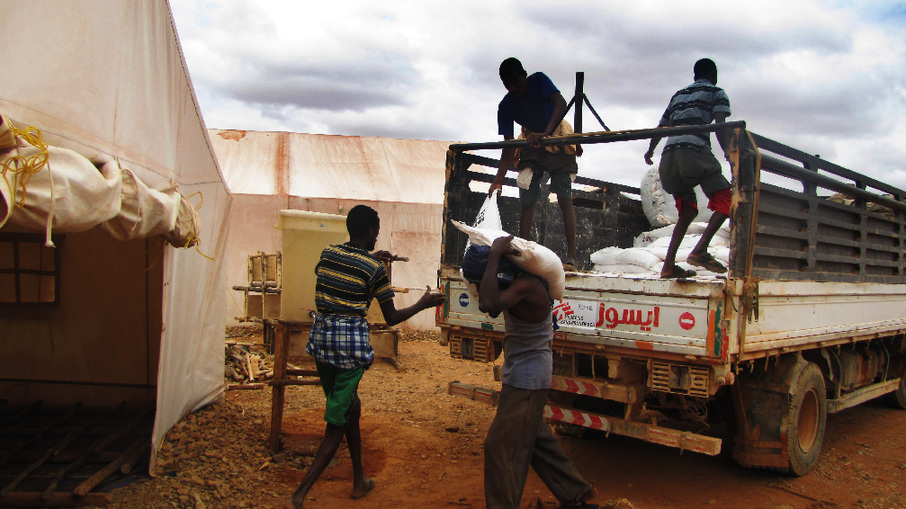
x=348, y=277
x=687, y=161
x=518, y=436
x=535, y=103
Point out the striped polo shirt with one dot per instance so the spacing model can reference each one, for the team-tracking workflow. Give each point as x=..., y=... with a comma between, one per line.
x=348, y=278
x=694, y=105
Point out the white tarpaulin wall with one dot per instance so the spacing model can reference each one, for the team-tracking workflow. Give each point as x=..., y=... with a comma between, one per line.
x=106, y=79
x=402, y=179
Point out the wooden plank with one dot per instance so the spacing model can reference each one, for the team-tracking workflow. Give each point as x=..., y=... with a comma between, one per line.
x=33, y=499
x=290, y=381
x=138, y=447
x=98, y=446
x=301, y=372
x=40, y=434
x=281, y=346
x=59, y=446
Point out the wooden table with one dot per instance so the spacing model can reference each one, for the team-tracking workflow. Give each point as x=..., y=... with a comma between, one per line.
x=284, y=376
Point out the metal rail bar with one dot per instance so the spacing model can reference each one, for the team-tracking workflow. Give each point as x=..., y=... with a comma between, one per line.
x=605, y=137
x=780, y=167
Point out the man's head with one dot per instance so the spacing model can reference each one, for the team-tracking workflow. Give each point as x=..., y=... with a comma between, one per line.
x=363, y=225
x=706, y=69
x=475, y=261
x=513, y=75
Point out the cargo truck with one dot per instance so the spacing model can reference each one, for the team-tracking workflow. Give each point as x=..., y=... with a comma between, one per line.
x=809, y=319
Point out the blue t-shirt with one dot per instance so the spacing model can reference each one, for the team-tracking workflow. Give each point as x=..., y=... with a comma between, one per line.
x=532, y=111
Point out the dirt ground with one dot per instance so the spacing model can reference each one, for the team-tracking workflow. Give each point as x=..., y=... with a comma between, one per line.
x=424, y=449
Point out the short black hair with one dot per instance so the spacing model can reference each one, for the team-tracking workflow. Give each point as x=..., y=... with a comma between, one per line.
x=475, y=262
x=705, y=68
x=511, y=67
x=359, y=219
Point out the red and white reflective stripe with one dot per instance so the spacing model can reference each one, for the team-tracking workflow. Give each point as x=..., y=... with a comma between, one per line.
x=577, y=386
x=648, y=432
x=575, y=417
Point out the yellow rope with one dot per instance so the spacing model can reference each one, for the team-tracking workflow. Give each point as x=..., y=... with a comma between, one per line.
x=193, y=237
x=151, y=247
x=22, y=168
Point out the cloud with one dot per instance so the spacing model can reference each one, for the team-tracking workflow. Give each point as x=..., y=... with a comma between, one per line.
x=825, y=76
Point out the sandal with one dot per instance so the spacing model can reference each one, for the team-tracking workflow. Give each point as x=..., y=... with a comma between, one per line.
x=706, y=261
x=678, y=273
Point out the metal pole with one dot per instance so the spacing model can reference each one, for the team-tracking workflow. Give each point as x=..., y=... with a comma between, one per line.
x=605, y=137
x=579, y=98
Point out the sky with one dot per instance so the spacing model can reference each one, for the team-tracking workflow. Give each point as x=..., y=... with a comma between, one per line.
x=825, y=76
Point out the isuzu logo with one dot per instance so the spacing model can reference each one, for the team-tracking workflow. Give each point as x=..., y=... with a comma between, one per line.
x=644, y=318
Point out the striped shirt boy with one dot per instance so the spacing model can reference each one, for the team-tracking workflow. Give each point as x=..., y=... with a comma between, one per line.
x=348, y=278
x=694, y=105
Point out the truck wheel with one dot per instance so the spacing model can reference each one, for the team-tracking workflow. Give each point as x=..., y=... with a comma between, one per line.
x=806, y=419
x=897, y=398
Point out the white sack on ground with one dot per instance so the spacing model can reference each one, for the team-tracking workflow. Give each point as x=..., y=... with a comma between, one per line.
x=659, y=206
x=663, y=234
x=639, y=257
x=629, y=261
x=605, y=256
x=650, y=248
x=532, y=257
x=647, y=238
x=621, y=270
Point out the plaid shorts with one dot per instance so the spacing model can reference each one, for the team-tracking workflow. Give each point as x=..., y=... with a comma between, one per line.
x=342, y=341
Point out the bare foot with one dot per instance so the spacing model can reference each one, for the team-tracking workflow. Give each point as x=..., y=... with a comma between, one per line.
x=360, y=491
x=290, y=504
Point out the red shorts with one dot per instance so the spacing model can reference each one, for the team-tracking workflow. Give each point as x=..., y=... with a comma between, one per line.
x=718, y=201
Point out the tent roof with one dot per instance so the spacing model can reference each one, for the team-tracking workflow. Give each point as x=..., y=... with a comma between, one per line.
x=106, y=76
x=329, y=166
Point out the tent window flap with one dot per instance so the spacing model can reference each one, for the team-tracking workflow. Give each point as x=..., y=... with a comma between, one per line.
x=29, y=271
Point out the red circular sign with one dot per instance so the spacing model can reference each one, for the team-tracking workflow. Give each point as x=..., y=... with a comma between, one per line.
x=687, y=320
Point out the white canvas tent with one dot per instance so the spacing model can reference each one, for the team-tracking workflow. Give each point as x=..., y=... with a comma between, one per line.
x=402, y=179
x=134, y=318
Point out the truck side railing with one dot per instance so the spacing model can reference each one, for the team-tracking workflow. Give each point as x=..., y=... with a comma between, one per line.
x=851, y=231
x=841, y=226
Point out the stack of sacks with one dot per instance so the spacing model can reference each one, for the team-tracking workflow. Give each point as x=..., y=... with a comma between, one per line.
x=646, y=257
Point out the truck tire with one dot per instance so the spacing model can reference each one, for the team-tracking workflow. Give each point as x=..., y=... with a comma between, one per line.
x=806, y=420
x=897, y=398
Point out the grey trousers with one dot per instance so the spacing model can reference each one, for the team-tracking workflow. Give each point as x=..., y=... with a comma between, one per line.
x=518, y=438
